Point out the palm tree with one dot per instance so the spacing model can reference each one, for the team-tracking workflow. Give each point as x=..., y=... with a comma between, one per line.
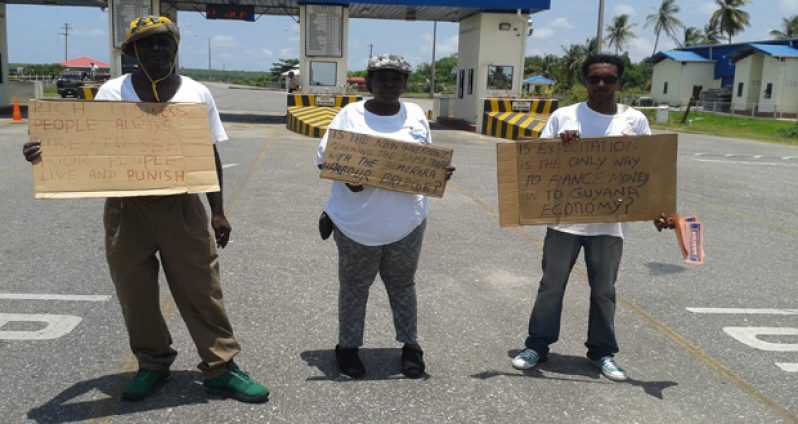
x=620, y=33
x=712, y=35
x=571, y=62
x=665, y=20
x=790, y=26
x=729, y=18
x=692, y=37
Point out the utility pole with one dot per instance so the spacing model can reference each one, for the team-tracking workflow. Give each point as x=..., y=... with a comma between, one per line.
x=432, y=77
x=600, y=30
x=209, y=58
x=370, y=47
x=67, y=27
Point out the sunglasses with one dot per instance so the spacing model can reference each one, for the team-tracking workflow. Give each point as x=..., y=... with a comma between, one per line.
x=607, y=80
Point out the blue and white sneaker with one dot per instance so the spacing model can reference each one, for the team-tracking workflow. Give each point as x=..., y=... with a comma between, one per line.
x=525, y=360
x=611, y=369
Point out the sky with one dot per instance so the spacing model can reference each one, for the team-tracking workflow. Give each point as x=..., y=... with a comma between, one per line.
x=34, y=33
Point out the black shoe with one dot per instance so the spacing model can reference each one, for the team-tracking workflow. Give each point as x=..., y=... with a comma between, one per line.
x=349, y=362
x=412, y=361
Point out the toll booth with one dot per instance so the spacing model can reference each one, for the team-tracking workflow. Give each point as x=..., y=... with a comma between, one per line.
x=492, y=39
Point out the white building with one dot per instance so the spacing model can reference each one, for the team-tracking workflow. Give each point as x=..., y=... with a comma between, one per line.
x=680, y=75
x=766, y=80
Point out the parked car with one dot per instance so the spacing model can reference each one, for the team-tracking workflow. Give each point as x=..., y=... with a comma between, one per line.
x=69, y=83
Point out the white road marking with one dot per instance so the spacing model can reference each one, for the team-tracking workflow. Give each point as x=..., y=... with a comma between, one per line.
x=229, y=165
x=764, y=311
x=748, y=336
x=743, y=162
x=788, y=366
x=34, y=296
x=56, y=326
x=788, y=157
x=757, y=156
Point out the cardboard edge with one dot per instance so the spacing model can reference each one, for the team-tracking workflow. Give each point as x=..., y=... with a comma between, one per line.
x=507, y=180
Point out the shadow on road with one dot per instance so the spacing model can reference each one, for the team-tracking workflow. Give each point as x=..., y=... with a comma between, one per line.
x=380, y=363
x=658, y=268
x=580, y=367
x=77, y=403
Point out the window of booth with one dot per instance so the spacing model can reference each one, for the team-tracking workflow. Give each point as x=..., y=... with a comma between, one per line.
x=500, y=77
x=323, y=73
x=739, y=89
x=471, y=81
x=460, y=83
x=665, y=88
x=768, y=90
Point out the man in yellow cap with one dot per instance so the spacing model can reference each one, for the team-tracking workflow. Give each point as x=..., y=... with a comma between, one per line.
x=176, y=227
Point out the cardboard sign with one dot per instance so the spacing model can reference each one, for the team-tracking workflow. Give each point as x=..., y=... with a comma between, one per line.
x=386, y=163
x=593, y=180
x=118, y=149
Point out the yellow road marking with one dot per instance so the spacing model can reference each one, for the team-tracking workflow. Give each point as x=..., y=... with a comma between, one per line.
x=661, y=327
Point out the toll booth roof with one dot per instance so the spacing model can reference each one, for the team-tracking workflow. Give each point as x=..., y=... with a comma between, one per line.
x=422, y=10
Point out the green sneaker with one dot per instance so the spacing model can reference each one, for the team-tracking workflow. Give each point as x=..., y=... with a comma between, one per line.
x=144, y=383
x=237, y=384
x=611, y=369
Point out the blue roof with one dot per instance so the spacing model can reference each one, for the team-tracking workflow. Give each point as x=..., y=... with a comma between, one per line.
x=679, y=56
x=768, y=49
x=538, y=80
x=723, y=55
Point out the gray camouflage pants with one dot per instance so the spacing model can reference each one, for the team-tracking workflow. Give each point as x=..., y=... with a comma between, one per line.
x=357, y=268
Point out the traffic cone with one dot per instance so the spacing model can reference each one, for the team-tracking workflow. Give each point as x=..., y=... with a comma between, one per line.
x=16, y=116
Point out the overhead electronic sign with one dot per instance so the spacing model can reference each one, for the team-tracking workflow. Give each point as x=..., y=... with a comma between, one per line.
x=230, y=11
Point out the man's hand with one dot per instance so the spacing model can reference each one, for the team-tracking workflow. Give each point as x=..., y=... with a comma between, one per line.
x=354, y=187
x=449, y=171
x=569, y=136
x=32, y=151
x=664, y=222
x=222, y=229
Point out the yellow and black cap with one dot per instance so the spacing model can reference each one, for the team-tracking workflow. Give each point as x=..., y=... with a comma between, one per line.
x=148, y=26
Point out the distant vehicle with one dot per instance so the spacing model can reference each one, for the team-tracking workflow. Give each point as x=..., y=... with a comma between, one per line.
x=69, y=83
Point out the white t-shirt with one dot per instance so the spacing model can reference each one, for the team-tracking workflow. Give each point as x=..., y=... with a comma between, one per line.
x=121, y=90
x=375, y=217
x=589, y=123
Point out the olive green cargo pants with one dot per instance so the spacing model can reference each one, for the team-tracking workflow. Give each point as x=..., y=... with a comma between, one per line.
x=176, y=227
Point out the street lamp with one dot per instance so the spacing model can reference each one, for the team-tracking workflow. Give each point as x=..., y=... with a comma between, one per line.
x=600, y=26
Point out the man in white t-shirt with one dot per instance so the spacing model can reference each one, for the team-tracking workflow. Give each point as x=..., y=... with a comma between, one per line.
x=376, y=230
x=175, y=227
x=600, y=116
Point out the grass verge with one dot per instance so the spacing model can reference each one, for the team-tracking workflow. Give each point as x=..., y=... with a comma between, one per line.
x=762, y=129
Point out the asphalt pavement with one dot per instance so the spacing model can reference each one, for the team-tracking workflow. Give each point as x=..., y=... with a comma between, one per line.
x=702, y=344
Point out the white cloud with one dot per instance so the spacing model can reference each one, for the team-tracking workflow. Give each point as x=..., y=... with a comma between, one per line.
x=788, y=7
x=641, y=47
x=223, y=41
x=623, y=9
x=289, y=52
x=560, y=23
x=447, y=47
x=543, y=33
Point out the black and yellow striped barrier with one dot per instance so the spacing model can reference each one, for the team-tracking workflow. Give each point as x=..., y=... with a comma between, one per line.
x=88, y=92
x=311, y=114
x=516, y=118
x=310, y=121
